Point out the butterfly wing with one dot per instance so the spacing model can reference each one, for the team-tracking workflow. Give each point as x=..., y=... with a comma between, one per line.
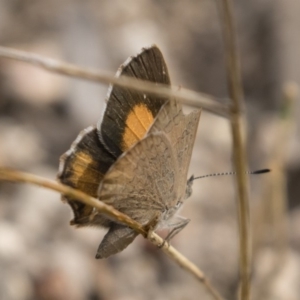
x=180, y=130
x=83, y=166
x=139, y=184
x=117, y=239
x=129, y=114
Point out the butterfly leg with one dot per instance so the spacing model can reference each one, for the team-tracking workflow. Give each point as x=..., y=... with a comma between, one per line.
x=177, y=225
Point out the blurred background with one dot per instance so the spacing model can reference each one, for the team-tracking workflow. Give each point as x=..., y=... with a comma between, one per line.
x=41, y=256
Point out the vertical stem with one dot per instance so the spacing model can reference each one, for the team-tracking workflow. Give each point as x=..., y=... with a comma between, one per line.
x=239, y=149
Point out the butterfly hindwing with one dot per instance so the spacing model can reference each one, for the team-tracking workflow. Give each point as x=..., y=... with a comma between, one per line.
x=83, y=167
x=116, y=239
x=142, y=180
x=139, y=184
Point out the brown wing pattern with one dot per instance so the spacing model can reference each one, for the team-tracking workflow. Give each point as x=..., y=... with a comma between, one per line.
x=142, y=180
x=139, y=184
x=137, y=157
x=83, y=167
x=127, y=118
x=129, y=114
x=181, y=131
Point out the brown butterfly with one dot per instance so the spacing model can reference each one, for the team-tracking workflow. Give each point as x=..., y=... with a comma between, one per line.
x=136, y=159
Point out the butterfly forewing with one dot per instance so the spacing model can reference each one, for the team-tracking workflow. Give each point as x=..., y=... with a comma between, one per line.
x=129, y=113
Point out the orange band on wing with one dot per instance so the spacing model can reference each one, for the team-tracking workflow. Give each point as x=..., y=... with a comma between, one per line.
x=83, y=170
x=137, y=123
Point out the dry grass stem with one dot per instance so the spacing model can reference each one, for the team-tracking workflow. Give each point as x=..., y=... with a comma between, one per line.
x=17, y=176
x=185, y=96
x=239, y=149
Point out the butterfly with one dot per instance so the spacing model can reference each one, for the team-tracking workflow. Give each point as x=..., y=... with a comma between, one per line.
x=135, y=159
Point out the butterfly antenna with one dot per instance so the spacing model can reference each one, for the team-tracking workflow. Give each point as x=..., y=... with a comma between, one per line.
x=262, y=171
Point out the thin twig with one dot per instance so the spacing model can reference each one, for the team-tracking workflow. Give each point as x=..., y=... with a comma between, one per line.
x=185, y=96
x=239, y=149
x=17, y=176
